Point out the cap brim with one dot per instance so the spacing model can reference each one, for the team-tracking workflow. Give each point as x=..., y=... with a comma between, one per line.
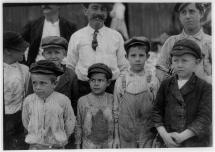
x=49, y=46
x=182, y=52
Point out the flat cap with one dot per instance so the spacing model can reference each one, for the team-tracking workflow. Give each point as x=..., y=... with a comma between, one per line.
x=54, y=41
x=46, y=67
x=137, y=40
x=99, y=68
x=186, y=46
x=14, y=40
x=108, y=6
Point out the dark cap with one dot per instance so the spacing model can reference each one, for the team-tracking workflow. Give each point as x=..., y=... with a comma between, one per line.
x=99, y=68
x=186, y=46
x=140, y=40
x=45, y=67
x=14, y=40
x=54, y=41
x=108, y=6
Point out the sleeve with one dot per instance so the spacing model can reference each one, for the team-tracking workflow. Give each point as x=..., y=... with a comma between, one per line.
x=121, y=56
x=69, y=118
x=117, y=93
x=25, y=114
x=208, y=59
x=164, y=59
x=72, y=54
x=203, y=119
x=30, y=87
x=26, y=32
x=158, y=110
x=78, y=128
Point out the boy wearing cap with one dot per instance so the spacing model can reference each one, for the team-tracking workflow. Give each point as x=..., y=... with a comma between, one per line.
x=133, y=98
x=16, y=77
x=54, y=49
x=47, y=115
x=94, y=127
x=96, y=43
x=190, y=15
x=183, y=111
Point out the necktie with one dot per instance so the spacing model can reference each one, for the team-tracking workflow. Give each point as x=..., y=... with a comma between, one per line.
x=95, y=42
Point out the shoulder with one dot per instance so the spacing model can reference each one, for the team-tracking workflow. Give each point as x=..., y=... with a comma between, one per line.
x=82, y=101
x=109, y=96
x=36, y=21
x=202, y=83
x=113, y=32
x=165, y=83
x=24, y=67
x=60, y=97
x=67, y=22
x=29, y=99
x=80, y=32
x=71, y=74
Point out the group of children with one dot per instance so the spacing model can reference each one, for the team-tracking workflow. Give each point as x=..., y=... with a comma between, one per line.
x=139, y=114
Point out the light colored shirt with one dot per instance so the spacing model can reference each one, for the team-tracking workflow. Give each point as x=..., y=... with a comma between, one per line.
x=16, y=78
x=204, y=70
x=181, y=83
x=110, y=51
x=48, y=122
x=95, y=119
x=133, y=99
x=49, y=29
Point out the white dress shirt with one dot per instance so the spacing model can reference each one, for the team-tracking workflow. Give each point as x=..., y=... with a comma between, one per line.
x=110, y=51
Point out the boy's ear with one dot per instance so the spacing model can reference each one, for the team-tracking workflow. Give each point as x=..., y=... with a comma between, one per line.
x=147, y=55
x=108, y=82
x=85, y=11
x=198, y=61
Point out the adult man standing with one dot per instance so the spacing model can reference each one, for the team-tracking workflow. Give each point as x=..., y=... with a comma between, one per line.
x=190, y=15
x=96, y=43
x=51, y=24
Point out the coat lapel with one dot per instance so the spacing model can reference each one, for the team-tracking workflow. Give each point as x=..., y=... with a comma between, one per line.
x=189, y=86
x=175, y=91
x=64, y=79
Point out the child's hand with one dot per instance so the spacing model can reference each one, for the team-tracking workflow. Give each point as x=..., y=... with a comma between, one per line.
x=168, y=140
x=178, y=138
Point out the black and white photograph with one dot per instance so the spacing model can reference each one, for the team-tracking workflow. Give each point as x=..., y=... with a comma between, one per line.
x=106, y=75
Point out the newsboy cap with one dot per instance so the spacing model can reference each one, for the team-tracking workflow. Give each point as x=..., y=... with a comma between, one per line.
x=99, y=68
x=54, y=41
x=14, y=40
x=186, y=46
x=45, y=67
x=141, y=40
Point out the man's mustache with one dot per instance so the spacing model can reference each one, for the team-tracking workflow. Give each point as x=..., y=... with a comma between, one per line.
x=101, y=17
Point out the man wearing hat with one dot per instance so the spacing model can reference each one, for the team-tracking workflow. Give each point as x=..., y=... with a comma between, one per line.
x=16, y=78
x=190, y=15
x=94, y=127
x=47, y=115
x=50, y=24
x=183, y=111
x=96, y=43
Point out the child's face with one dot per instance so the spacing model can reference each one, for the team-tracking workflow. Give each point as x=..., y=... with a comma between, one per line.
x=98, y=83
x=54, y=54
x=184, y=65
x=42, y=85
x=190, y=16
x=137, y=57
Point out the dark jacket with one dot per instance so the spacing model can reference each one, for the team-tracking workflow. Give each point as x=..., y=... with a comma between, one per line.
x=187, y=108
x=32, y=33
x=67, y=85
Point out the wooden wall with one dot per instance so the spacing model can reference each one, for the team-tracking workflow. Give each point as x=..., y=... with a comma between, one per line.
x=148, y=19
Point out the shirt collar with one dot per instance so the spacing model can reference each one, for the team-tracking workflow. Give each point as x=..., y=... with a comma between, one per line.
x=197, y=36
x=55, y=23
x=10, y=65
x=132, y=74
x=91, y=30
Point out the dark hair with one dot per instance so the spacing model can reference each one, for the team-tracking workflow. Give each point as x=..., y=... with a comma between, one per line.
x=139, y=46
x=199, y=6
